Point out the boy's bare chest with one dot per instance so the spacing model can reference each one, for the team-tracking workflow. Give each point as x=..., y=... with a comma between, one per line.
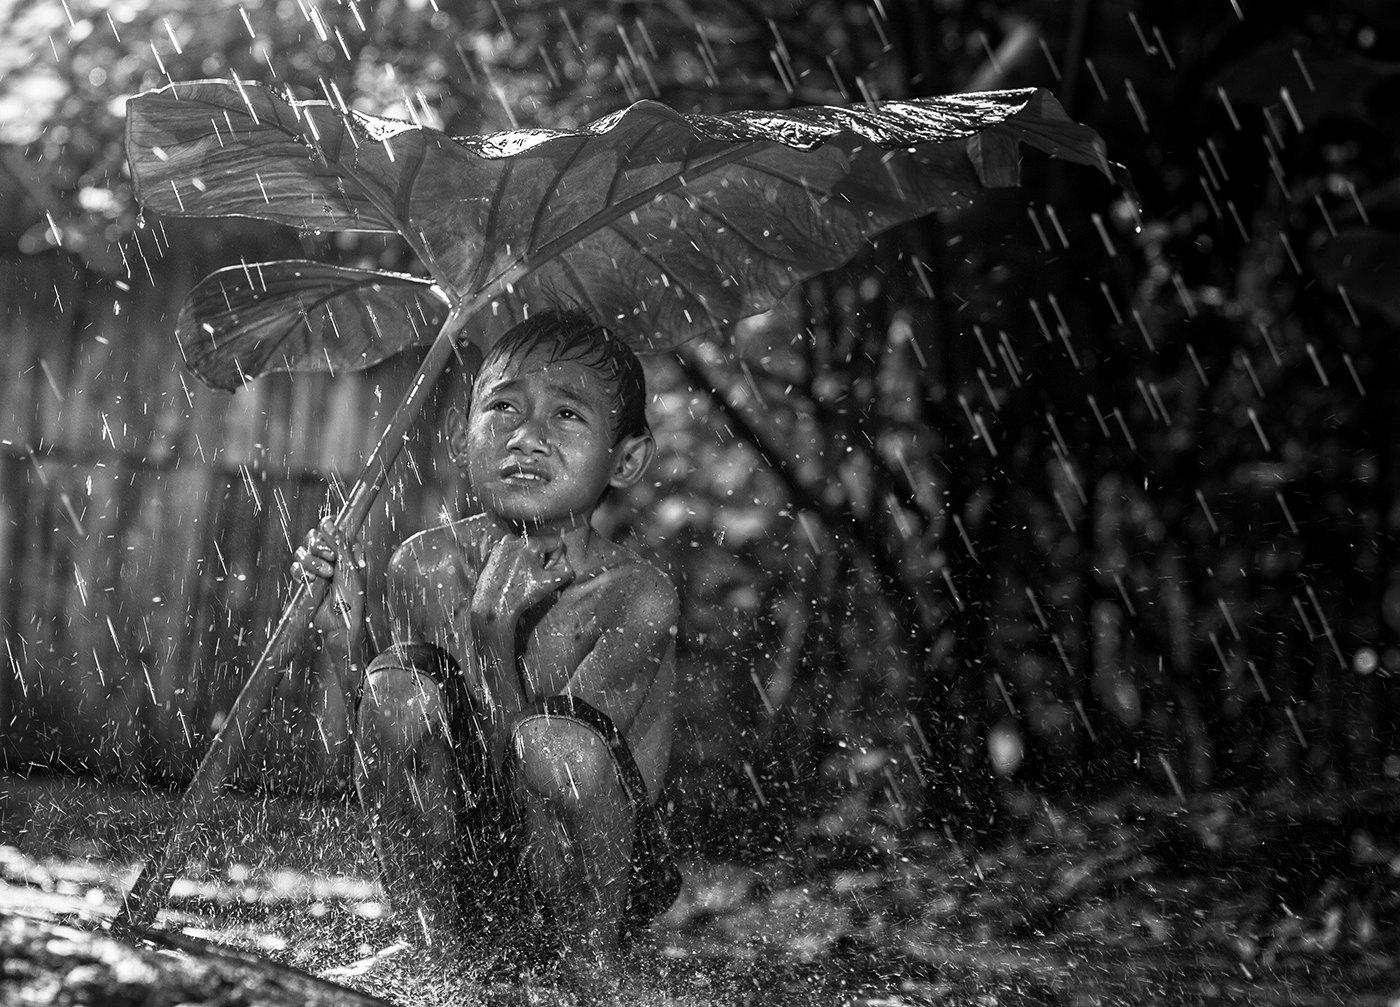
x=551, y=639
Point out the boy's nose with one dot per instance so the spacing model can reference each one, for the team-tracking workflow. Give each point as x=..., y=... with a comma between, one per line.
x=527, y=437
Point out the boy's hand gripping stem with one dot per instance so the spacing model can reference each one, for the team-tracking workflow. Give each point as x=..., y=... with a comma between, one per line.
x=152, y=886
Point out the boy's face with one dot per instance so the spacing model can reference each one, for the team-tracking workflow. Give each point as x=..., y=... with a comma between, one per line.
x=540, y=446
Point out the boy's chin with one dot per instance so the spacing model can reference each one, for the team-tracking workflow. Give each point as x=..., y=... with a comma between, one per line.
x=522, y=513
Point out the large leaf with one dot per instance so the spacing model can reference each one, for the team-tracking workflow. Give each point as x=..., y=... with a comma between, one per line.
x=244, y=321
x=664, y=226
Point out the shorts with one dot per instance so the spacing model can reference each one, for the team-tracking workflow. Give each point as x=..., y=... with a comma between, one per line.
x=490, y=819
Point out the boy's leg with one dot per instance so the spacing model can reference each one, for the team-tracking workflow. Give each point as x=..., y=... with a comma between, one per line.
x=412, y=785
x=580, y=826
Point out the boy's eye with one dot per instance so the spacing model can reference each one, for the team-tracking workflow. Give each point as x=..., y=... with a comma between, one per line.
x=569, y=414
x=500, y=405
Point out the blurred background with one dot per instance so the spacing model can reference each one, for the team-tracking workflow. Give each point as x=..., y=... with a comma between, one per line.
x=1062, y=497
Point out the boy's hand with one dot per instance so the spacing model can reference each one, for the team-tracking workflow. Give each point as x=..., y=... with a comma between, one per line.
x=328, y=556
x=520, y=572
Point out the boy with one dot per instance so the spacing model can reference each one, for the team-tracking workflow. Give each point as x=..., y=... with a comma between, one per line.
x=523, y=717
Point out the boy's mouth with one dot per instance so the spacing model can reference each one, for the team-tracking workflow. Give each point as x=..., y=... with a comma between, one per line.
x=523, y=474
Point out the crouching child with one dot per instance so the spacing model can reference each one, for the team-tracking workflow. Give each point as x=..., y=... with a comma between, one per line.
x=510, y=746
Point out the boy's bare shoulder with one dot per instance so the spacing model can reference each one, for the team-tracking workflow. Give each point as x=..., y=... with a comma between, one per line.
x=637, y=589
x=430, y=554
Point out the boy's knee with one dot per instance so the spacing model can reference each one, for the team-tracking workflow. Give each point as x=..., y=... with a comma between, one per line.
x=398, y=706
x=562, y=760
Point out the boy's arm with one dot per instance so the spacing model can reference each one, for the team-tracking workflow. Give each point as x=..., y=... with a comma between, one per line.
x=339, y=645
x=337, y=666
x=425, y=582
x=518, y=574
x=346, y=654
x=405, y=595
x=638, y=631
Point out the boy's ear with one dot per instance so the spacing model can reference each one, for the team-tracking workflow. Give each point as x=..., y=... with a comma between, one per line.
x=631, y=458
x=456, y=427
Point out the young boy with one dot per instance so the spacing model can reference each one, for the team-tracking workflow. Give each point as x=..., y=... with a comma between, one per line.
x=511, y=744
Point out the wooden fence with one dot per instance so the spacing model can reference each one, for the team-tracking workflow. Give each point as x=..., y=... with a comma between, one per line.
x=146, y=522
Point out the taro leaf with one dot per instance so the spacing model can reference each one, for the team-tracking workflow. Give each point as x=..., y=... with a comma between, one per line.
x=1362, y=261
x=244, y=321
x=663, y=226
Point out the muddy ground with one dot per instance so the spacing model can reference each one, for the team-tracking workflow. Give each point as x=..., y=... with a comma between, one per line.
x=1124, y=902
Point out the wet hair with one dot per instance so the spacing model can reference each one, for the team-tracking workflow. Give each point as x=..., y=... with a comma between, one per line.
x=558, y=336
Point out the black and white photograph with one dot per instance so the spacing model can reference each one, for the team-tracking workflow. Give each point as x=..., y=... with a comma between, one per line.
x=673, y=503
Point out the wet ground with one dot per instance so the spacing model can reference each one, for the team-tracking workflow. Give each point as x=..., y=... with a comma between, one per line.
x=1091, y=918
